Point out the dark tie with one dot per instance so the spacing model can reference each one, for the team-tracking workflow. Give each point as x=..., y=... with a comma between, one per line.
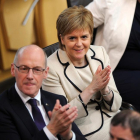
x=38, y=119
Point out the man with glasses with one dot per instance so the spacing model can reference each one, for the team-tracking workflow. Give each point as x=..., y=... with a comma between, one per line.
x=28, y=112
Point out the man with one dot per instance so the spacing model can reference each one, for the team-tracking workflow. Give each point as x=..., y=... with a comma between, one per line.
x=28, y=112
x=125, y=126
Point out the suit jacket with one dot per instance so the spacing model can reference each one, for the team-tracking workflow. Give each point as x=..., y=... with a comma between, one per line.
x=16, y=122
x=64, y=79
x=114, y=20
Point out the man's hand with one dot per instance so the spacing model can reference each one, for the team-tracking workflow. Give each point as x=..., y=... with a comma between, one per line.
x=61, y=119
x=67, y=134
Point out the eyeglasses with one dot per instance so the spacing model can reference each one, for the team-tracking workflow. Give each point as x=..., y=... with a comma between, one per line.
x=25, y=69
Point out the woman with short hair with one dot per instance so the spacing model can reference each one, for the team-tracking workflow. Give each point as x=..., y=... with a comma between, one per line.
x=82, y=73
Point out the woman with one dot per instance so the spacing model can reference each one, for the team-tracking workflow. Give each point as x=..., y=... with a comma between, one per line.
x=118, y=23
x=82, y=74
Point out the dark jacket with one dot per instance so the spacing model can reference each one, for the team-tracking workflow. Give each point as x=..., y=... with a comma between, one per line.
x=16, y=122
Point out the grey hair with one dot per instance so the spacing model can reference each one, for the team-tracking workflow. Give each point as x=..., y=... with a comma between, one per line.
x=128, y=119
x=20, y=50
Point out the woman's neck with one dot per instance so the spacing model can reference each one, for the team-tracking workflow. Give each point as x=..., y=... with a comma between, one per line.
x=80, y=63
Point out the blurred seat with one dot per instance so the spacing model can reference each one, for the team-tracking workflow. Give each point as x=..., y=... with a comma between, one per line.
x=52, y=48
x=127, y=106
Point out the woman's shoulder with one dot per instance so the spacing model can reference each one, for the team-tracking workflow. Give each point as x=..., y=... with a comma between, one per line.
x=98, y=51
x=97, y=48
x=52, y=60
x=58, y=59
x=52, y=56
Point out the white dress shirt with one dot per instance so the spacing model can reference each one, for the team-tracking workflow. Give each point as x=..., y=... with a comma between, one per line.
x=25, y=99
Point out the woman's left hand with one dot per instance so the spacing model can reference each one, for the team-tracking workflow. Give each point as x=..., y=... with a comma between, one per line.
x=101, y=78
x=99, y=83
x=104, y=76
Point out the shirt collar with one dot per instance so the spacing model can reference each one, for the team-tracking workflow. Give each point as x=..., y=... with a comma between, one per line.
x=25, y=98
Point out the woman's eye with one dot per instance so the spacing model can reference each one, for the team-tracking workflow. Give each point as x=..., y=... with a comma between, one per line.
x=72, y=38
x=85, y=36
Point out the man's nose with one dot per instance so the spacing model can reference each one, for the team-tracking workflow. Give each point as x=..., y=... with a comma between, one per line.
x=30, y=74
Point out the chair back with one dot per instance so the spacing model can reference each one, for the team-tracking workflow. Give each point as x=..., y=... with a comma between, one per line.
x=51, y=48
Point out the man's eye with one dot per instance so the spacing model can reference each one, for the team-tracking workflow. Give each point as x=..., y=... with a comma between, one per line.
x=37, y=69
x=23, y=68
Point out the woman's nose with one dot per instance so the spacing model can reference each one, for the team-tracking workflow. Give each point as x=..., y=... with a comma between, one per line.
x=79, y=43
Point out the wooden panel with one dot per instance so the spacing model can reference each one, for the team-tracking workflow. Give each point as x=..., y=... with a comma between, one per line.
x=5, y=75
x=13, y=34
x=46, y=13
x=6, y=56
x=14, y=12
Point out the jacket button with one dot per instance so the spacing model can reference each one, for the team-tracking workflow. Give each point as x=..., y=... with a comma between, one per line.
x=97, y=108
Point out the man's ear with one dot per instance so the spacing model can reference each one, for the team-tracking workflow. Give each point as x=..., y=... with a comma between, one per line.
x=12, y=70
x=46, y=72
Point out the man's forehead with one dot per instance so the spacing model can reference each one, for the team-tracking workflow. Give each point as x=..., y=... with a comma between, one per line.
x=31, y=48
x=121, y=133
x=31, y=55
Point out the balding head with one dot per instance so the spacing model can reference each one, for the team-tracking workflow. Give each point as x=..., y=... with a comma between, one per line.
x=30, y=49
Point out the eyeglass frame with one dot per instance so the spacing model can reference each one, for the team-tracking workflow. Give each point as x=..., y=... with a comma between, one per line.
x=18, y=67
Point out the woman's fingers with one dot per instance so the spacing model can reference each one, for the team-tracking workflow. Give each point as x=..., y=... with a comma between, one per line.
x=106, y=71
x=99, y=69
x=101, y=77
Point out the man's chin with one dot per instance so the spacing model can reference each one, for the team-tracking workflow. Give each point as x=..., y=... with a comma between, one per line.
x=30, y=92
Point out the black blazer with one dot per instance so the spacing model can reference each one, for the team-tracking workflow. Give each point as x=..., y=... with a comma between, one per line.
x=16, y=122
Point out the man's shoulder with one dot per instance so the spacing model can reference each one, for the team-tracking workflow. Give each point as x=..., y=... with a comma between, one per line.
x=51, y=97
x=4, y=95
x=50, y=94
x=4, y=98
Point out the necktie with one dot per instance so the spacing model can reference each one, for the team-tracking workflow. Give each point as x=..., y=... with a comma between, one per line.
x=39, y=121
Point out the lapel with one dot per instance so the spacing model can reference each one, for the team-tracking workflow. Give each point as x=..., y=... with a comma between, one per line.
x=93, y=61
x=47, y=103
x=20, y=109
x=71, y=74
